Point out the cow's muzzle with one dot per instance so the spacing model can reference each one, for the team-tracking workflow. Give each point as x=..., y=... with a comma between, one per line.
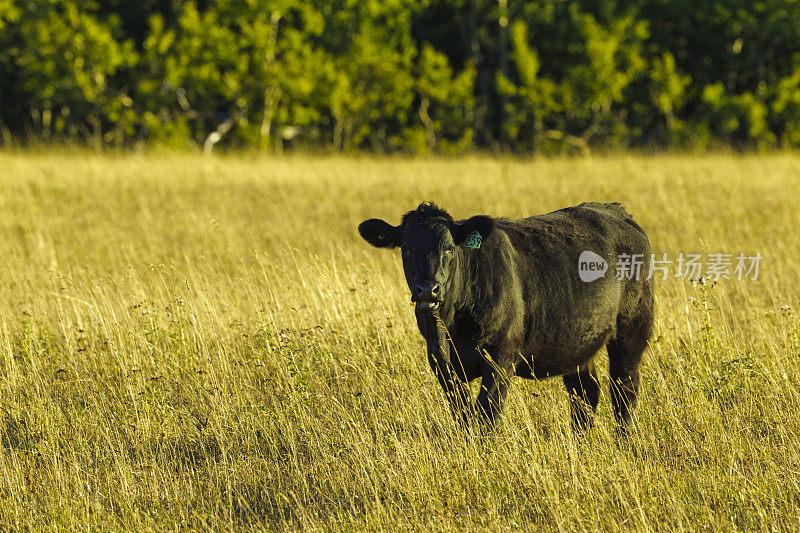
x=427, y=294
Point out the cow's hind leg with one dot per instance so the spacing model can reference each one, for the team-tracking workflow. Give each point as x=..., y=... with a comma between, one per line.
x=584, y=392
x=625, y=354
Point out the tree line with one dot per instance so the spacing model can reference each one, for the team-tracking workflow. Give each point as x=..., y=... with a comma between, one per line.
x=402, y=75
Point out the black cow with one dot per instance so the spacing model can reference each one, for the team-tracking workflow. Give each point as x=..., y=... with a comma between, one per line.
x=497, y=298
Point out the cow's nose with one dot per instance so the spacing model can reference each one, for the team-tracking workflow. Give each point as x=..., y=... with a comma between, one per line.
x=428, y=291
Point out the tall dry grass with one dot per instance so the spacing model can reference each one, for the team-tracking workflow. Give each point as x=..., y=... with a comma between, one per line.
x=189, y=343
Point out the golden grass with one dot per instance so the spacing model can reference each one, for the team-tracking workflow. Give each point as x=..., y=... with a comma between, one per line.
x=206, y=342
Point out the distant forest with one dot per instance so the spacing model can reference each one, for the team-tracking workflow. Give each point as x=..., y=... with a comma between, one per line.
x=410, y=76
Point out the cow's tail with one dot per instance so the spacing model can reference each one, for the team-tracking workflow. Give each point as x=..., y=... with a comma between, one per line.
x=615, y=207
x=619, y=209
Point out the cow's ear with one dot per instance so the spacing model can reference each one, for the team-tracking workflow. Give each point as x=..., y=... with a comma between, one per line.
x=380, y=233
x=465, y=229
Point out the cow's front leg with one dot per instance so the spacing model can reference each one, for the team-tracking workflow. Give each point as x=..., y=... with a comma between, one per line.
x=438, y=345
x=584, y=393
x=455, y=389
x=494, y=388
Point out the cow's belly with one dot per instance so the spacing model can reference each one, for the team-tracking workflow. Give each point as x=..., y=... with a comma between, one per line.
x=564, y=351
x=552, y=362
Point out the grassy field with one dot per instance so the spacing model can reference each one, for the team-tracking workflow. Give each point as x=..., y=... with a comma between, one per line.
x=192, y=342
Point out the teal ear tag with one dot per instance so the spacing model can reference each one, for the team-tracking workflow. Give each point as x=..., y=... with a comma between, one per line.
x=473, y=240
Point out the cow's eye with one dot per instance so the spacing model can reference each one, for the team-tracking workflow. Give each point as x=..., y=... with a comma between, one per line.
x=449, y=250
x=406, y=252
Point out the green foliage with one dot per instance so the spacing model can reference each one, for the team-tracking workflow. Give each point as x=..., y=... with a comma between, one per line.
x=446, y=104
x=9, y=12
x=668, y=91
x=736, y=117
x=587, y=98
x=411, y=75
x=66, y=59
x=786, y=105
x=369, y=72
x=534, y=98
x=233, y=64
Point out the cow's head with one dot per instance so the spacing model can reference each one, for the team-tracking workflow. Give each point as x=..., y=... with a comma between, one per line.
x=433, y=247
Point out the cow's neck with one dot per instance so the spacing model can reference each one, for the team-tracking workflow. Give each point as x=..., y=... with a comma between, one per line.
x=464, y=292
